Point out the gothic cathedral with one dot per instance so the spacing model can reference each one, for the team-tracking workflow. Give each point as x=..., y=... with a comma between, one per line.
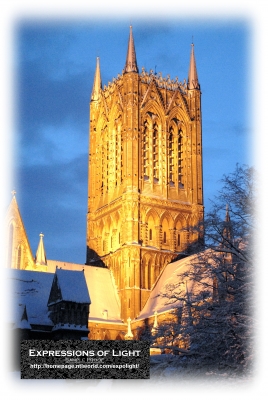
x=145, y=187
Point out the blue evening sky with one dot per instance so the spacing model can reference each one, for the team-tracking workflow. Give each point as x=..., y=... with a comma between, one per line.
x=54, y=70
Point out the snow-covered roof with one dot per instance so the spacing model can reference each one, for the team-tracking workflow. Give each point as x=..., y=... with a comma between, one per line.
x=72, y=286
x=19, y=318
x=105, y=304
x=169, y=276
x=31, y=288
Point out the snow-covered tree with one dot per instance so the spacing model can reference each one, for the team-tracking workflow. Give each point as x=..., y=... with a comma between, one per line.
x=216, y=289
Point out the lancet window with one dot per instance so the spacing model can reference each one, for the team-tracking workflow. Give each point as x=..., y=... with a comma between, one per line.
x=107, y=165
x=175, y=155
x=155, y=152
x=171, y=155
x=145, y=150
x=102, y=167
x=118, y=155
x=19, y=258
x=180, y=160
x=10, y=245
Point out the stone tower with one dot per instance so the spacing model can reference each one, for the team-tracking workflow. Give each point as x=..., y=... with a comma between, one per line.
x=145, y=175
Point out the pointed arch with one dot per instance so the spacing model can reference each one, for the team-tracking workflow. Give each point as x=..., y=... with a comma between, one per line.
x=119, y=337
x=106, y=335
x=11, y=233
x=152, y=221
x=167, y=229
x=176, y=153
x=180, y=227
x=144, y=271
x=151, y=139
x=20, y=254
x=153, y=101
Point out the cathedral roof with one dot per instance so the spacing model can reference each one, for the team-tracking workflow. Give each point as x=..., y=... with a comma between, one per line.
x=131, y=61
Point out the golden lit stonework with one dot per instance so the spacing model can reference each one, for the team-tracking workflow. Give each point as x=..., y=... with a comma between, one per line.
x=145, y=175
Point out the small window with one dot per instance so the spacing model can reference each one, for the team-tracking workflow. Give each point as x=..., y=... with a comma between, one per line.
x=165, y=237
x=150, y=234
x=179, y=240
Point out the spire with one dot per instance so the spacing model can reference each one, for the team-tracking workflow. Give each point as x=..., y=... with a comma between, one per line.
x=97, y=86
x=192, y=76
x=40, y=258
x=227, y=234
x=131, y=62
x=227, y=215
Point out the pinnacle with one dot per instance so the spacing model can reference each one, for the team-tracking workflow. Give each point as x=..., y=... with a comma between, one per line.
x=131, y=61
x=192, y=76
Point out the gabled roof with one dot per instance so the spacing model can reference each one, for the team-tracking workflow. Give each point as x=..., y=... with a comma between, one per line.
x=14, y=219
x=69, y=286
x=20, y=317
x=30, y=288
x=105, y=304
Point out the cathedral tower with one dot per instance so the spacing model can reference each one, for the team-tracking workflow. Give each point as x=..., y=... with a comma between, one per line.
x=145, y=175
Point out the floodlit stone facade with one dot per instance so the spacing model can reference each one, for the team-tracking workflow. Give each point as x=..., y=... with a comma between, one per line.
x=145, y=192
x=145, y=175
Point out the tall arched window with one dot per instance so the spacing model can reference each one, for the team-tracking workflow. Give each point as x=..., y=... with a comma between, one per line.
x=10, y=245
x=19, y=258
x=175, y=154
x=179, y=240
x=107, y=165
x=180, y=160
x=171, y=155
x=102, y=168
x=118, y=153
x=145, y=150
x=155, y=152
